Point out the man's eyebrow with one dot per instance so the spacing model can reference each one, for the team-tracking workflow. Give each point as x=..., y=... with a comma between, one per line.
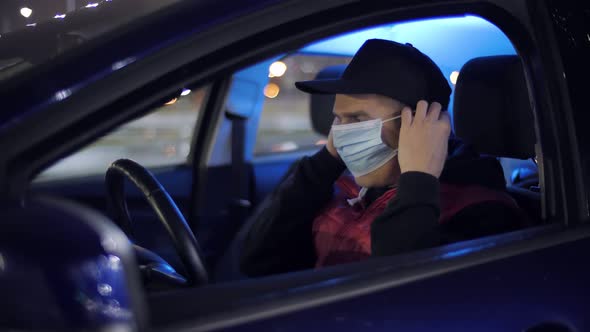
x=352, y=114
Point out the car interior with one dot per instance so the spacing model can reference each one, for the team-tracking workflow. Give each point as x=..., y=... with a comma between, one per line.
x=491, y=87
x=265, y=127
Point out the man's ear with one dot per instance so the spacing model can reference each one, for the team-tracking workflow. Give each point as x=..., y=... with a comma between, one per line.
x=390, y=135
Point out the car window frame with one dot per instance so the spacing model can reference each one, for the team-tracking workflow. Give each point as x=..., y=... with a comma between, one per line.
x=186, y=162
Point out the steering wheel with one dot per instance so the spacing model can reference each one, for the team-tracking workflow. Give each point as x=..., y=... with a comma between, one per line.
x=168, y=214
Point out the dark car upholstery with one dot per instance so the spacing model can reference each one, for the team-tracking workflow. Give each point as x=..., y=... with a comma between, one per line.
x=493, y=112
x=492, y=109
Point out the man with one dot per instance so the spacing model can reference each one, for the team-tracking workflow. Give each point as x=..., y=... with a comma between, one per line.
x=391, y=132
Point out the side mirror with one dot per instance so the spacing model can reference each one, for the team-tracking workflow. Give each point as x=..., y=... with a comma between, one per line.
x=66, y=267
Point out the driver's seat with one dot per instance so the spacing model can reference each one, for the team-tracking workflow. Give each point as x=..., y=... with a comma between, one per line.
x=228, y=267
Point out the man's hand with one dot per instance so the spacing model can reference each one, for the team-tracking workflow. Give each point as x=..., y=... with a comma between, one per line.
x=423, y=139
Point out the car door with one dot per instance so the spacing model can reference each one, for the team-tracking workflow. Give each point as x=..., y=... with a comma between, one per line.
x=508, y=282
x=524, y=281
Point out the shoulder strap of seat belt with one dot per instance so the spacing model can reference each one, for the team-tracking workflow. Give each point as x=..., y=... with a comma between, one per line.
x=240, y=173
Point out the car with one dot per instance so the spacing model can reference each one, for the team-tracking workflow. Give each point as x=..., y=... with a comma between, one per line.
x=138, y=140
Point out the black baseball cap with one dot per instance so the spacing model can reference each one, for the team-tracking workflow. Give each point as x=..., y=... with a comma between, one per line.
x=398, y=71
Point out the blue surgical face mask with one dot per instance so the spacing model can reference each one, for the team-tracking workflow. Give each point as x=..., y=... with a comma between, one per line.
x=360, y=145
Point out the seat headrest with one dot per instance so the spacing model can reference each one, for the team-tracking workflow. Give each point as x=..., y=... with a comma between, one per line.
x=492, y=110
x=321, y=105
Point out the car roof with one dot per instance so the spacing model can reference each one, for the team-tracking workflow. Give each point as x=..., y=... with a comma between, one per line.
x=108, y=48
x=130, y=39
x=43, y=38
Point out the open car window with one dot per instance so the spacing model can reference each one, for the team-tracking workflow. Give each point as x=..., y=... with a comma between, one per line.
x=287, y=124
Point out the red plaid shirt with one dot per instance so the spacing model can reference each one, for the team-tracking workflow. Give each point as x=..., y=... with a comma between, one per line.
x=342, y=233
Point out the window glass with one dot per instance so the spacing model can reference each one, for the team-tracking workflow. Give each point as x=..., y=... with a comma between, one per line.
x=161, y=138
x=285, y=123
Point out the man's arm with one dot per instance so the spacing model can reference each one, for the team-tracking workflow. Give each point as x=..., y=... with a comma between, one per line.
x=411, y=218
x=410, y=221
x=280, y=238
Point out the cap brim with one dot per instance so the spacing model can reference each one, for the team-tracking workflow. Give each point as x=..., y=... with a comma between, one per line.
x=333, y=86
x=348, y=87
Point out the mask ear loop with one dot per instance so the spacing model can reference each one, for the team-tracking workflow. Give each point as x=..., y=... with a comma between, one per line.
x=397, y=117
x=391, y=119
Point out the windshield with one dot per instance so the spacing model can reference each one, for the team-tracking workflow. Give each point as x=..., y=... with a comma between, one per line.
x=35, y=31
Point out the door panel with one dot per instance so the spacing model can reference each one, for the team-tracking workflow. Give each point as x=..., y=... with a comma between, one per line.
x=506, y=282
x=512, y=294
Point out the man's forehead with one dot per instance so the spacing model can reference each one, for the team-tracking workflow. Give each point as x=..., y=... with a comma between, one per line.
x=366, y=102
x=353, y=102
x=356, y=98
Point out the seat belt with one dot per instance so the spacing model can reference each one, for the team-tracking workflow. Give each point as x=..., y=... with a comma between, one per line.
x=240, y=203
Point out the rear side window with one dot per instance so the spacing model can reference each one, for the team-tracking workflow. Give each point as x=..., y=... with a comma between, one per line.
x=161, y=138
x=285, y=123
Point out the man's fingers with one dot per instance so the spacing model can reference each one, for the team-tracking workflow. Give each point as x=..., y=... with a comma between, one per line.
x=406, y=117
x=446, y=120
x=434, y=112
x=421, y=109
